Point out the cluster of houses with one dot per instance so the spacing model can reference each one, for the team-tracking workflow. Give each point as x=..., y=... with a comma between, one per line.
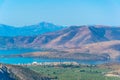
x=50, y=63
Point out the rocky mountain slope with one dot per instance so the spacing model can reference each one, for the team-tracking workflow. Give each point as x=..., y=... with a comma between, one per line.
x=10, y=72
x=4, y=74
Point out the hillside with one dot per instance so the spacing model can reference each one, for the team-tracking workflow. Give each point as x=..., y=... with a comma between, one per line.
x=67, y=38
x=10, y=72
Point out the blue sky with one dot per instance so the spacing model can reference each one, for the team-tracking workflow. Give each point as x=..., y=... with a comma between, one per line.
x=61, y=12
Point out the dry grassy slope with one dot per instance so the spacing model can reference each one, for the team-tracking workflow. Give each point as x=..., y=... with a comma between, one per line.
x=113, y=67
x=77, y=36
x=108, y=47
x=74, y=36
x=92, y=51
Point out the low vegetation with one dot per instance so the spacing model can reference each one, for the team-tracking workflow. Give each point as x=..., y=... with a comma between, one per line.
x=69, y=72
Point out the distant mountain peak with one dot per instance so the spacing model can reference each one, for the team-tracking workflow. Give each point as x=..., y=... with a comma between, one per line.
x=45, y=23
x=30, y=30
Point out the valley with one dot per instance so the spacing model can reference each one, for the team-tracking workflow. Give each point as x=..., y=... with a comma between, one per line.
x=107, y=71
x=82, y=72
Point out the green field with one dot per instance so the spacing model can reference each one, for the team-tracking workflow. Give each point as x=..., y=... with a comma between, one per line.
x=73, y=72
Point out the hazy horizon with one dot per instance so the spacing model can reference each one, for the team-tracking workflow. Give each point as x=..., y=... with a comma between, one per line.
x=58, y=25
x=62, y=12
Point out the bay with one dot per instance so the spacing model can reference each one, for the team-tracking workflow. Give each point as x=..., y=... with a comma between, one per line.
x=17, y=51
x=24, y=60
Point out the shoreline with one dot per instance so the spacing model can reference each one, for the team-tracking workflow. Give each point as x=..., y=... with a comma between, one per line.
x=49, y=63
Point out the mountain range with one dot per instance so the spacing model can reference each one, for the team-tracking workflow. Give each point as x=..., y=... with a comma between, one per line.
x=30, y=30
x=97, y=40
